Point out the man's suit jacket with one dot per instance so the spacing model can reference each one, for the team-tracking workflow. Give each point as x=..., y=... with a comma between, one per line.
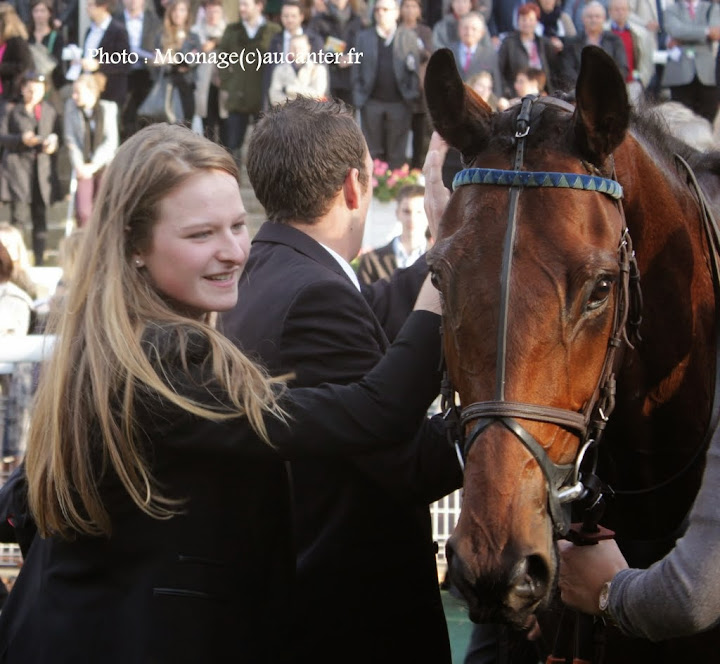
x=406, y=65
x=695, y=52
x=570, y=56
x=484, y=59
x=362, y=525
x=115, y=40
x=151, y=28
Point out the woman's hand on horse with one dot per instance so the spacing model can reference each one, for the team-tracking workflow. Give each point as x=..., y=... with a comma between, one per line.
x=436, y=195
x=584, y=570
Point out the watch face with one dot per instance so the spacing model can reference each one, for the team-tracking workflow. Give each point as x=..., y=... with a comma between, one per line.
x=604, y=596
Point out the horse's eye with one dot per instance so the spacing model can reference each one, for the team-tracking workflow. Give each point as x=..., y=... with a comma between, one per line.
x=435, y=279
x=600, y=293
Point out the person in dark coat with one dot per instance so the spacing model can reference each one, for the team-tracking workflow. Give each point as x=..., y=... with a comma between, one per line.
x=523, y=49
x=109, y=36
x=15, y=55
x=338, y=27
x=29, y=134
x=144, y=27
x=362, y=524
x=594, y=22
x=159, y=493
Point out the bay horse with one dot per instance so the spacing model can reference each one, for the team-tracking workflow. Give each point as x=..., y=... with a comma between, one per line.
x=562, y=211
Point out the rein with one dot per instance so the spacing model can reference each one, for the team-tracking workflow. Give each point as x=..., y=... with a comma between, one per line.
x=562, y=480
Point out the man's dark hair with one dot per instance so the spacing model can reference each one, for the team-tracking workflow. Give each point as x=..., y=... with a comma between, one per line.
x=299, y=156
x=293, y=3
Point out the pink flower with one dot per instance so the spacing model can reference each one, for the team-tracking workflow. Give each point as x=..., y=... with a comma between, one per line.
x=375, y=182
x=379, y=167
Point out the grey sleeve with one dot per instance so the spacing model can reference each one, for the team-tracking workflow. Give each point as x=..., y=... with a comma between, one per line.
x=680, y=594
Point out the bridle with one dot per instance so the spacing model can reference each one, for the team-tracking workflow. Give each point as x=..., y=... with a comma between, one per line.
x=563, y=481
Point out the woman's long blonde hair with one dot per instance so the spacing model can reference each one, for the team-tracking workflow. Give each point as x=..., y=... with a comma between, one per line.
x=173, y=35
x=11, y=24
x=83, y=424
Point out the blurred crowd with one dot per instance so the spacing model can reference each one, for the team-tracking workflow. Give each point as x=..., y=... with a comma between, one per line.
x=78, y=78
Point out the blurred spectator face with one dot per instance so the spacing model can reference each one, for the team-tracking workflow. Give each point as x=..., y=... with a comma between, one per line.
x=300, y=46
x=386, y=14
x=291, y=18
x=84, y=95
x=619, y=11
x=483, y=85
x=527, y=24
x=95, y=13
x=249, y=10
x=471, y=30
x=179, y=14
x=410, y=12
x=41, y=14
x=593, y=18
x=524, y=86
x=340, y=4
x=213, y=14
x=411, y=214
x=546, y=5
x=33, y=92
x=134, y=7
x=461, y=7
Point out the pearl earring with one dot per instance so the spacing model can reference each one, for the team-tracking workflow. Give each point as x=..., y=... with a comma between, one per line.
x=138, y=262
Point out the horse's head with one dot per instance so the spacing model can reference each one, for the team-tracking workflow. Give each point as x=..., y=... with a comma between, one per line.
x=530, y=277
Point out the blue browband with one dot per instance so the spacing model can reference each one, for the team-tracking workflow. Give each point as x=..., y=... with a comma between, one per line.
x=538, y=179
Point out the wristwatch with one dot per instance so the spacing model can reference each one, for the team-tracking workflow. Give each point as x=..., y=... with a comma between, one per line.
x=604, y=601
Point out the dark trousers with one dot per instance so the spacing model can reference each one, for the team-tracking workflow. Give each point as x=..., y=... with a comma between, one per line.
x=32, y=215
x=386, y=125
x=211, y=122
x=699, y=98
x=235, y=128
x=139, y=84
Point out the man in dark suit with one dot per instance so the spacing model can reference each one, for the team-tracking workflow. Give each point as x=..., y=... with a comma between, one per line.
x=108, y=36
x=593, y=17
x=367, y=586
x=386, y=82
x=143, y=27
x=474, y=52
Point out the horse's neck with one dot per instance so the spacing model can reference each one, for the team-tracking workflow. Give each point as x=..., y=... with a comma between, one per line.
x=666, y=382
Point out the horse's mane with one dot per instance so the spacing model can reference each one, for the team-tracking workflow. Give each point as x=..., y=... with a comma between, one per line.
x=672, y=129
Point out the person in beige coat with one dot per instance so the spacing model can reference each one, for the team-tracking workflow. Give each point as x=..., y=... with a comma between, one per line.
x=302, y=77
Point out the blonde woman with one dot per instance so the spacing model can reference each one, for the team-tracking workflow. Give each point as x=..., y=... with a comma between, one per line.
x=15, y=56
x=90, y=128
x=179, y=41
x=155, y=465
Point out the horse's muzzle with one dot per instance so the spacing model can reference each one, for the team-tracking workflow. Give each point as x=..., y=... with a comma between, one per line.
x=504, y=594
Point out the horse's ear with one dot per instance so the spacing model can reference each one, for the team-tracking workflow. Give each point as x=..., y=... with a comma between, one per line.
x=459, y=115
x=602, y=111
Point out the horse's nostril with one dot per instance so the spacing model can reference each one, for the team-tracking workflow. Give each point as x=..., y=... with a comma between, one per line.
x=449, y=553
x=539, y=571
